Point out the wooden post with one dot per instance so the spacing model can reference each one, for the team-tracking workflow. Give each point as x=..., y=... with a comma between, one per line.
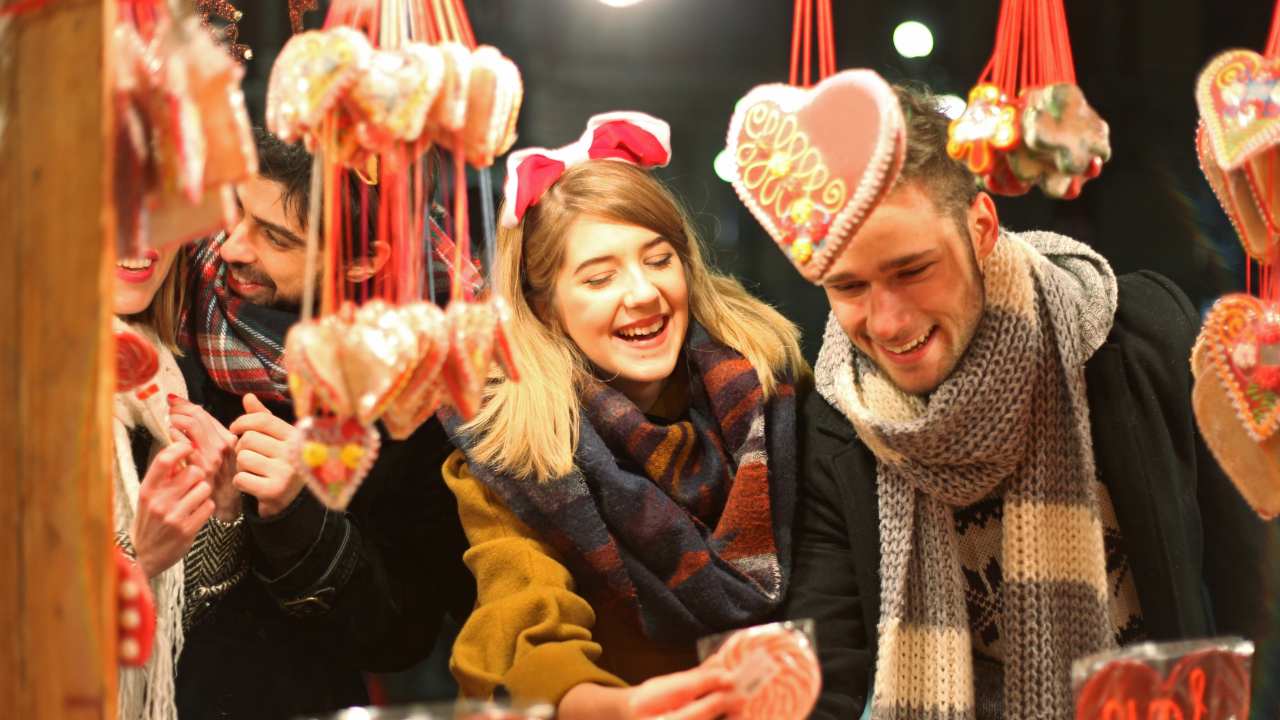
x=57, y=651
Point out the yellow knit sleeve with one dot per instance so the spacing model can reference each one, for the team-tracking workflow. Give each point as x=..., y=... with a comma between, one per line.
x=530, y=631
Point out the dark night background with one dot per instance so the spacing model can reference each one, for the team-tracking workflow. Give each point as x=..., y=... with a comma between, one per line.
x=688, y=61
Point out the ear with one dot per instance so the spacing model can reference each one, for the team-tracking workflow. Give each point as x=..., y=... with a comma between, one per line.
x=984, y=225
x=366, y=267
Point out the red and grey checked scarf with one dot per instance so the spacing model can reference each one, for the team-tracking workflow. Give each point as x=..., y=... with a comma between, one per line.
x=686, y=525
x=240, y=344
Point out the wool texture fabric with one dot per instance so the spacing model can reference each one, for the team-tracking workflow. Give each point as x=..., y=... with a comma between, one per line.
x=147, y=693
x=240, y=344
x=1011, y=419
x=685, y=526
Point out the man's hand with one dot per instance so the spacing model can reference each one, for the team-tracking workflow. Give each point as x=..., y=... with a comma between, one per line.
x=173, y=504
x=215, y=452
x=263, y=467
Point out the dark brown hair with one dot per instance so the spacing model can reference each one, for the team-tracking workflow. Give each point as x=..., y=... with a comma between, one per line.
x=947, y=182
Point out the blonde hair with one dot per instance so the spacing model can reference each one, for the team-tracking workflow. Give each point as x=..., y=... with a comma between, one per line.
x=530, y=428
x=166, y=305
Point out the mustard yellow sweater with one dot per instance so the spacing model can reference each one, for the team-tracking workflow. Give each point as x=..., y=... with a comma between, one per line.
x=530, y=631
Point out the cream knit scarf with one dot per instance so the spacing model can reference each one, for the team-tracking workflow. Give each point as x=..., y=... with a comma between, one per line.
x=1012, y=416
x=147, y=693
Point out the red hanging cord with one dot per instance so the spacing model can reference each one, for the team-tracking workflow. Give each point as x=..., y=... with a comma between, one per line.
x=1273, y=36
x=808, y=35
x=797, y=18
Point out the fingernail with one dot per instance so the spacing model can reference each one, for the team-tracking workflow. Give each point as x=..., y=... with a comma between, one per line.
x=172, y=397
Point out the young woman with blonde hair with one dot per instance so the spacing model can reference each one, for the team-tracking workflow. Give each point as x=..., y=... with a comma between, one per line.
x=635, y=490
x=176, y=512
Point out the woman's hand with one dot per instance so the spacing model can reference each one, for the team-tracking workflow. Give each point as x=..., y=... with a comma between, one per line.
x=215, y=451
x=697, y=694
x=173, y=504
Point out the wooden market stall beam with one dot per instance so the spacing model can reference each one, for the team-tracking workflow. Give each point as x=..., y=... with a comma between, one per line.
x=56, y=358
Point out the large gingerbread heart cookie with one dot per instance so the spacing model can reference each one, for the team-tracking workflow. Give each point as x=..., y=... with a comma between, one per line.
x=813, y=163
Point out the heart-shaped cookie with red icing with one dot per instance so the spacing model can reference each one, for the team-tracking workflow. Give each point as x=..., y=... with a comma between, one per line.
x=472, y=328
x=1238, y=94
x=1236, y=398
x=424, y=390
x=334, y=455
x=813, y=163
x=1210, y=684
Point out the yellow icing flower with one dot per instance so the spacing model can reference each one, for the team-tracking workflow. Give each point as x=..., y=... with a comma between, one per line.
x=989, y=123
x=351, y=455
x=314, y=454
x=801, y=250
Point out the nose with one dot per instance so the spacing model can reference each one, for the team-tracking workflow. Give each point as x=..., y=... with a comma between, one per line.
x=887, y=316
x=237, y=248
x=640, y=289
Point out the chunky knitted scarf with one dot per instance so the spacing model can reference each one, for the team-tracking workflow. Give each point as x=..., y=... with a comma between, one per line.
x=240, y=344
x=1012, y=418
x=685, y=526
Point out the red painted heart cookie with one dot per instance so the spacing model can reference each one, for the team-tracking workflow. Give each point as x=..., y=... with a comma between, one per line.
x=333, y=456
x=1236, y=398
x=813, y=163
x=1238, y=94
x=1211, y=685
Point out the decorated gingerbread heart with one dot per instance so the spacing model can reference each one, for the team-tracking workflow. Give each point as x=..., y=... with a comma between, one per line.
x=378, y=356
x=1238, y=94
x=1241, y=199
x=334, y=455
x=813, y=163
x=988, y=124
x=312, y=352
x=448, y=113
x=493, y=102
x=425, y=389
x=1210, y=685
x=466, y=368
x=312, y=72
x=1236, y=363
x=391, y=98
x=354, y=360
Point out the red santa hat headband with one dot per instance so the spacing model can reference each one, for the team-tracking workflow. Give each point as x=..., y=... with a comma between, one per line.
x=631, y=137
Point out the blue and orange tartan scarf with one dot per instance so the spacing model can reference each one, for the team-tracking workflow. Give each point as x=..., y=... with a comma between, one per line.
x=241, y=344
x=686, y=525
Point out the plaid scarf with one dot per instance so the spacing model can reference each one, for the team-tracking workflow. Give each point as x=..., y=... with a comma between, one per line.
x=240, y=344
x=686, y=526
x=1012, y=418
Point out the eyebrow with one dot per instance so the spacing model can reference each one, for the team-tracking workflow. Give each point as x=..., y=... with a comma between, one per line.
x=886, y=266
x=657, y=240
x=285, y=232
